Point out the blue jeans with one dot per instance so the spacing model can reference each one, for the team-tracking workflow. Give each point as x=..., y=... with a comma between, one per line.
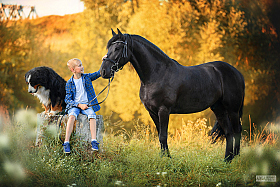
x=76, y=111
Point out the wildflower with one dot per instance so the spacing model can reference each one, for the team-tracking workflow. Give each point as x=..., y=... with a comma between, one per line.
x=163, y=174
x=28, y=121
x=264, y=167
x=14, y=170
x=119, y=183
x=259, y=151
x=219, y=184
x=28, y=117
x=4, y=141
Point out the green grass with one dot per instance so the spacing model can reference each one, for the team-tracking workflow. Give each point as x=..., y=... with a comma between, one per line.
x=131, y=159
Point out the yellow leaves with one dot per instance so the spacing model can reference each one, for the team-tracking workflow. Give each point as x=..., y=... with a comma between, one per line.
x=125, y=90
x=211, y=10
x=184, y=32
x=125, y=11
x=191, y=32
x=211, y=39
x=124, y=96
x=161, y=24
x=236, y=23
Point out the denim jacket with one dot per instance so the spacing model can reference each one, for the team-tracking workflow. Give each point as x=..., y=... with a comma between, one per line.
x=87, y=82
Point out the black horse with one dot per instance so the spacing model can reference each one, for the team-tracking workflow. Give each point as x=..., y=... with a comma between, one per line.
x=170, y=88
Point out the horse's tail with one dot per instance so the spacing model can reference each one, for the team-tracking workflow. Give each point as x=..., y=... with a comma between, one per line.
x=217, y=132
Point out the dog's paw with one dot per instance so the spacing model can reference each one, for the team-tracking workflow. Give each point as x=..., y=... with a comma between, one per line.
x=44, y=113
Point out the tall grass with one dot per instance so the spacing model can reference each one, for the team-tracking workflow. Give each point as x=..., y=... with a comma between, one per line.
x=132, y=158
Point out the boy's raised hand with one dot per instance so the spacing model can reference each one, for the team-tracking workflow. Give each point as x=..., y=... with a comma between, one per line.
x=105, y=56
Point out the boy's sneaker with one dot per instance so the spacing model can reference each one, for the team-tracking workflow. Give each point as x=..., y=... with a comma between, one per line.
x=66, y=147
x=94, y=145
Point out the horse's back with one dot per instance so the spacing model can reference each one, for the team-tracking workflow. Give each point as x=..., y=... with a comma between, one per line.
x=205, y=84
x=226, y=68
x=227, y=73
x=198, y=87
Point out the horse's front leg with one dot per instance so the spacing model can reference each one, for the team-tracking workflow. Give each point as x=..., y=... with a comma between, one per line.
x=163, y=114
x=155, y=119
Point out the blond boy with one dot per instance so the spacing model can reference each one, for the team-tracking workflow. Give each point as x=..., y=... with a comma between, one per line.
x=79, y=95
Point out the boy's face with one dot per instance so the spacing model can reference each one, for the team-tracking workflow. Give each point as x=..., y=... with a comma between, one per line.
x=78, y=68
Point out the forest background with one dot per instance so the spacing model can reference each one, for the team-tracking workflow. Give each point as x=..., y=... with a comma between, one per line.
x=244, y=33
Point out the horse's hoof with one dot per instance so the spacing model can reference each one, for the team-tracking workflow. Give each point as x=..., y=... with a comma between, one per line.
x=165, y=153
x=228, y=159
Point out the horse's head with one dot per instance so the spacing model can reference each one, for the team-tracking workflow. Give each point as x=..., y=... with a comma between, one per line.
x=117, y=55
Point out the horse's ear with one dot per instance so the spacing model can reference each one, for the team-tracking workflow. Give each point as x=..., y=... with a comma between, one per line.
x=113, y=32
x=119, y=32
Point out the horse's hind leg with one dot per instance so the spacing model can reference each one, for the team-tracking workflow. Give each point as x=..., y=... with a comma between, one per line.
x=237, y=138
x=237, y=128
x=223, y=120
x=227, y=127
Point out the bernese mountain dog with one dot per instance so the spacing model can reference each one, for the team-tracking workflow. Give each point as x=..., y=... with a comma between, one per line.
x=44, y=83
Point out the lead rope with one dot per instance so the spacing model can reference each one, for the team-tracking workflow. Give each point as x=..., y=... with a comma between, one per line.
x=108, y=85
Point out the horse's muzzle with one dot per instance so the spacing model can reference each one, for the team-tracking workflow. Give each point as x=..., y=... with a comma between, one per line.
x=106, y=74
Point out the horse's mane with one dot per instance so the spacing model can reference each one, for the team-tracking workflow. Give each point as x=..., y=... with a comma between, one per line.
x=143, y=41
x=146, y=42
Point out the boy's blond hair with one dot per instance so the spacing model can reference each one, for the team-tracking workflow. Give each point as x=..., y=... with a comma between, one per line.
x=73, y=62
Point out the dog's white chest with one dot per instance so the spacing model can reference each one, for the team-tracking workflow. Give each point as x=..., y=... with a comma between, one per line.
x=43, y=95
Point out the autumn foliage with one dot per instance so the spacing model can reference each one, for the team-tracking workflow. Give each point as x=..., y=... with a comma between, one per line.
x=242, y=33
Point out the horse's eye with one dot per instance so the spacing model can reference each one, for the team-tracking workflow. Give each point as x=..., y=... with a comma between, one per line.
x=117, y=48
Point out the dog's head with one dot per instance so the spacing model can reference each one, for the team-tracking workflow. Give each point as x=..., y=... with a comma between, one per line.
x=32, y=82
